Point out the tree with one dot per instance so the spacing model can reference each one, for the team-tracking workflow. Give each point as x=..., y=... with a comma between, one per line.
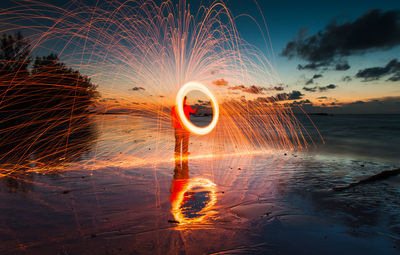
x=14, y=55
x=44, y=109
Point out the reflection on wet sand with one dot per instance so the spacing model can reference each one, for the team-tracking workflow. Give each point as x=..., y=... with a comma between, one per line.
x=46, y=148
x=267, y=203
x=191, y=199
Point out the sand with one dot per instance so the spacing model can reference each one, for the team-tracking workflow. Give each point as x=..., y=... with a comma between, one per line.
x=269, y=205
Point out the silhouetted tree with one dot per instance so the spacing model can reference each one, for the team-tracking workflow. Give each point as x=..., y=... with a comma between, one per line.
x=63, y=90
x=43, y=109
x=14, y=55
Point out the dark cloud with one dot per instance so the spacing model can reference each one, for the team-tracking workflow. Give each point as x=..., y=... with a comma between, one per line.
x=238, y=87
x=310, y=89
x=375, y=73
x=312, y=66
x=395, y=77
x=330, y=86
x=356, y=102
x=220, y=82
x=301, y=103
x=294, y=95
x=342, y=66
x=138, y=88
x=281, y=97
x=346, y=78
x=375, y=30
x=204, y=103
x=106, y=99
x=278, y=88
x=253, y=89
x=322, y=97
x=320, y=89
x=311, y=81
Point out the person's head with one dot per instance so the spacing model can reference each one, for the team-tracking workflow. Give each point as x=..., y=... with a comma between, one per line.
x=184, y=100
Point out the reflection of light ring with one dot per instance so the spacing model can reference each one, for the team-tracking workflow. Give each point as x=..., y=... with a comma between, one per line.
x=179, y=102
x=196, y=182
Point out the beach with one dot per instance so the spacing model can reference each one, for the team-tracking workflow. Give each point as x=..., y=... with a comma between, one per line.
x=278, y=202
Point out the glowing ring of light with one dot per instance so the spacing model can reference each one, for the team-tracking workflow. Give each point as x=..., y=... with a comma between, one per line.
x=196, y=182
x=190, y=86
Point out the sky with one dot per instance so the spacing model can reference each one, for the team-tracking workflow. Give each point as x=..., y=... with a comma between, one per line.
x=331, y=56
x=366, y=70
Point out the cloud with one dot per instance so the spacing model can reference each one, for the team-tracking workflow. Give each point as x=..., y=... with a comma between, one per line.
x=310, y=89
x=295, y=95
x=281, y=97
x=138, y=88
x=238, y=87
x=278, y=88
x=204, y=103
x=319, y=88
x=346, y=78
x=301, y=103
x=376, y=73
x=395, y=77
x=356, y=102
x=342, y=66
x=220, y=82
x=312, y=66
x=108, y=99
x=375, y=30
x=330, y=86
x=322, y=97
x=253, y=89
x=311, y=81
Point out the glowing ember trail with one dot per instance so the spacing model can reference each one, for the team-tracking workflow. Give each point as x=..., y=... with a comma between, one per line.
x=140, y=55
x=179, y=102
x=195, y=185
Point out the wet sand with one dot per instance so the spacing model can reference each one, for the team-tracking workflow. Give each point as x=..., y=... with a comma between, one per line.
x=264, y=205
x=261, y=203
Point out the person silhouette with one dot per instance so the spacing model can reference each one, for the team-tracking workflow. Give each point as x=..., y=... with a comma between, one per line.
x=181, y=134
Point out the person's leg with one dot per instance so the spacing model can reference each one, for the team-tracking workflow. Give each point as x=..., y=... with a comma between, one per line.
x=185, y=145
x=178, y=141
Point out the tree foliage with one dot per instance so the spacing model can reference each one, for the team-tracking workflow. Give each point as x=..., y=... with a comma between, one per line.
x=44, y=105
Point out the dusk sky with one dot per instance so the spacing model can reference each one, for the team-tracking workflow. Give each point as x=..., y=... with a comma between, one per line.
x=341, y=54
x=351, y=53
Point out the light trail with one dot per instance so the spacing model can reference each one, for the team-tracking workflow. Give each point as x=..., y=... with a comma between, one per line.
x=124, y=162
x=190, y=86
x=140, y=54
x=178, y=200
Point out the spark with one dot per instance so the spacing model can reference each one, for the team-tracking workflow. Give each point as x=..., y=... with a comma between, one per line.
x=155, y=48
